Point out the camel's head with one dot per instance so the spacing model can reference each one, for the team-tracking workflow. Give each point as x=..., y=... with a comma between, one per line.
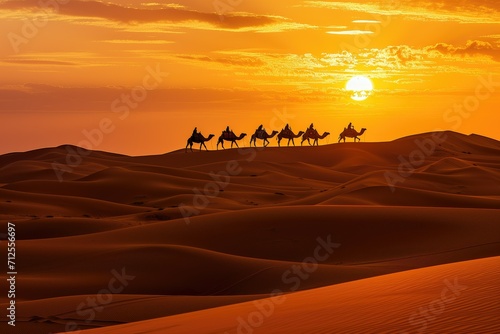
x=243, y=135
x=327, y=133
x=210, y=136
x=301, y=133
x=274, y=133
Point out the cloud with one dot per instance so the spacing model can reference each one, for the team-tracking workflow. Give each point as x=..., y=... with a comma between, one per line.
x=37, y=62
x=135, y=41
x=465, y=11
x=235, y=61
x=174, y=14
x=38, y=98
x=471, y=48
x=366, y=21
x=350, y=32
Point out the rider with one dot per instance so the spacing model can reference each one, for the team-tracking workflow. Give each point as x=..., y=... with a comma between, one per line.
x=287, y=127
x=259, y=130
x=350, y=127
x=227, y=133
x=311, y=128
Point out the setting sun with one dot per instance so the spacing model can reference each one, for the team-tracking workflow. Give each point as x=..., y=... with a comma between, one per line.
x=360, y=87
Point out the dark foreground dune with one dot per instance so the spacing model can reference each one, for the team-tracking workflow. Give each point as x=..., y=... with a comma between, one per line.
x=194, y=239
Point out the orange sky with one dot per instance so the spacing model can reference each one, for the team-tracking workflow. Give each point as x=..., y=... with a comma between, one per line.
x=81, y=65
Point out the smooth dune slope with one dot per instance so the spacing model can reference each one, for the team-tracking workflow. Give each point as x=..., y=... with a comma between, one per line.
x=454, y=298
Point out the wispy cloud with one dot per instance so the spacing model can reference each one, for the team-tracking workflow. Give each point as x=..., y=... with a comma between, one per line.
x=473, y=11
x=366, y=21
x=130, y=41
x=173, y=14
x=350, y=32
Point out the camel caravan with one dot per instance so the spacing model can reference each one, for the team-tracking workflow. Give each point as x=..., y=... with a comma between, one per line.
x=261, y=134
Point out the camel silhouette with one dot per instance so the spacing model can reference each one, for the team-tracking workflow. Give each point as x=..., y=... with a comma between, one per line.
x=263, y=135
x=198, y=139
x=313, y=134
x=351, y=133
x=229, y=137
x=288, y=134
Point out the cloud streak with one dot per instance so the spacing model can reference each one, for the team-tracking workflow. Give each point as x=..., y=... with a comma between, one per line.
x=172, y=14
x=350, y=32
x=473, y=11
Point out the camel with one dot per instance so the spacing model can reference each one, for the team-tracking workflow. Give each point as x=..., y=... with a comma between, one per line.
x=313, y=134
x=263, y=135
x=230, y=137
x=351, y=133
x=198, y=139
x=288, y=134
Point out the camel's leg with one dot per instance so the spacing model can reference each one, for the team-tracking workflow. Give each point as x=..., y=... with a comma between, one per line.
x=293, y=142
x=279, y=142
x=205, y=146
x=187, y=146
x=235, y=142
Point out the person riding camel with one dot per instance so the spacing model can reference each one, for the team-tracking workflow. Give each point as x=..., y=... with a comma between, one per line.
x=311, y=128
x=227, y=133
x=350, y=127
x=259, y=131
x=287, y=128
x=195, y=133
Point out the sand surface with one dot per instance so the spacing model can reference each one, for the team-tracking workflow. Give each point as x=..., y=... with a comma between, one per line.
x=357, y=237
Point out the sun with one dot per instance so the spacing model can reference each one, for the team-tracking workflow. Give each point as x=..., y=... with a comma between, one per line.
x=360, y=87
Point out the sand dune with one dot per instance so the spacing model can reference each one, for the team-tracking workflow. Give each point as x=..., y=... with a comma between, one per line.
x=453, y=298
x=369, y=209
